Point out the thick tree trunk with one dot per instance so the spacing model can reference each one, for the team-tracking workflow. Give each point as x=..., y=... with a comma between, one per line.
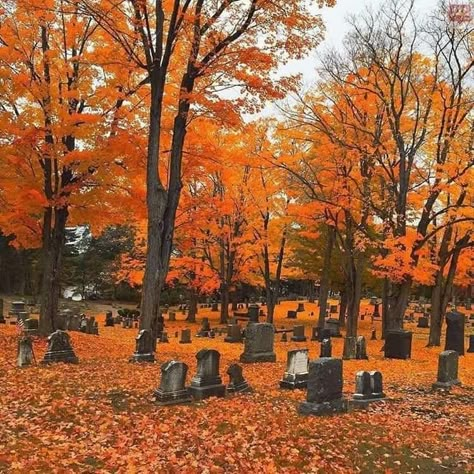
x=224, y=304
x=398, y=303
x=193, y=302
x=385, y=292
x=53, y=245
x=343, y=308
x=325, y=276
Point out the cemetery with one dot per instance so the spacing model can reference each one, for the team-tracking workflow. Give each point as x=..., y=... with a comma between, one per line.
x=236, y=236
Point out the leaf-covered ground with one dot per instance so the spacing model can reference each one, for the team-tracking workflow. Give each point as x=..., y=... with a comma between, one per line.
x=98, y=416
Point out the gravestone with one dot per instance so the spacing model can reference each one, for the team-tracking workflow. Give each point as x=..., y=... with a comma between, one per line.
x=185, y=336
x=144, y=350
x=373, y=336
x=259, y=340
x=296, y=375
x=59, y=349
x=237, y=383
x=315, y=333
x=334, y=327
x=172, y=389
x=215, y=307
x=447, y=370
x=324, y=333
x=471, y=343
x=423, y=322
x=376, y=313
x=253, y=313
x=31, y=326
x=284, y=337
x=172, y=316
x=455, y=333
x=205, y=328
x=90, y=323
x=333, y=309
x=292, y=314
x=74, y=323
x=164, y=337
x=349, y=350
x=398, y=344
x=361, y=348
x=17, y=307
x=325, y=383
x=25, y=355
x=298, y=334
x=234, y=333
x=300, y=308
x=369, y=388
x=2, y=317
x=363, y=390
x=109, y=319
x=207, y=382
x=326, y=348
x=376, y=384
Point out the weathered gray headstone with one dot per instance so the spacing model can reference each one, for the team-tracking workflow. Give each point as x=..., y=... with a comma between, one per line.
x=215, y=307
x=361, y=348
x=333, y=309
x=325, y=384
x=172, y=388
x=205, y=328
x=298, y=334
x=259, y=340
x=185, y=336
x=369, y=388
x=25, y=354
x=207, y=382
x=398, y=344
x=315, y=333
x=109, y=319
x=234, y=333
x=326, y=348
x=59, y=349
x=349, y=350
x=373, y=336
x=296, y=375
x=423, y=322
x=237, y=383
x=74, y=323
x=172, y=316
x=455, y=332
x=363, y=389
x=376, y=384
x=253, y=313
x=447, y=370
x=144, y=350
x=334, y=327
x=284, y=337
x=164, y=337
x=31, y=326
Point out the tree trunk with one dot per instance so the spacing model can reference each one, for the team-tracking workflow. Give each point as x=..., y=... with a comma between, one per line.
x=398, y=303
x=224, y=304
x=191, y=318
x=325, y=276
x=343, y=308
x=385, y=292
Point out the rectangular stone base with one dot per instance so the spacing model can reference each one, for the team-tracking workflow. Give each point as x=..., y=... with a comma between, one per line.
x=362, y=403
x=259, y=357
x=67, y=357
x=241, y=388
x=446, y=385
x=324, y=408
x=172, y=398
x=294, y=384
x=200, y=393
x=137, y=357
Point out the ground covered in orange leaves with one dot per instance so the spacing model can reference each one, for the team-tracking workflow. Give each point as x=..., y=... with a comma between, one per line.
x=98, y=416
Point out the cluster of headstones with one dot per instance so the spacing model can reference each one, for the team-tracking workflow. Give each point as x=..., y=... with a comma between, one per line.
x=206, y=383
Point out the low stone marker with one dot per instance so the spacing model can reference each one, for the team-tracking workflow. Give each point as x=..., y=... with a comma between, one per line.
x=59, y=349
x=109, y=319
x=455, y=332
x=398, y=344
x=300, y=308
x=253, y=313
x=447, y=370
x=284, y=337
x=361, y=348
x=172, y=316
x=296, y=374
x=207, y=382
x=237, y=383
x=291, y=314
x=298, y=334
x=373, y=335
x=31, y=326
x=333, y=309
x=259, y=340
x=172, y=389
x=164, y=337
x=144, y=350
x=326, y=348
x=369, y=388
x=205, y=328
x=185, y=336
x=234, y=333
x=215, y=307
x=315, y=333
x=325, y=383
x=334, y=327
x=423, y=322
x=25, y=355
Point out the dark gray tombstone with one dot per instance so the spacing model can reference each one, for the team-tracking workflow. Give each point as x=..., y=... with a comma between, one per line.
x=284, y=337
x=455, y=332
x=259, y=340
x=298, y=334
x=361, y=348
x=234, y=333
x=172, y=316
x=369, y=388
x=164, y=337
x=376, y=384
x=59, y=349
x=324, y=333
x=376, y=313
x=17, y=307
x=471, y=343
x=447, y=370
x=172, y=390
x=296, y=374
x=292, y=314
x=185, y=336
x=333, y=309
x=253, y=312
x=215, y=307
x=334, y=327
x=109, y=319
x=300, y=308
x=25, y=355
x=315, y=333
x=398, y=344
x=373, y=336
x=31, y=326
x=325, y=384
x=423, y=322
x=74, y=323
x=207, y=382
x=237, y=383
x=205, y=328
x=144, y=350
x=363, y=389
x=326, y=348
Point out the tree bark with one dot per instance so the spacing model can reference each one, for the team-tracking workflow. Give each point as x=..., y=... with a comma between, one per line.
x=325, y=275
